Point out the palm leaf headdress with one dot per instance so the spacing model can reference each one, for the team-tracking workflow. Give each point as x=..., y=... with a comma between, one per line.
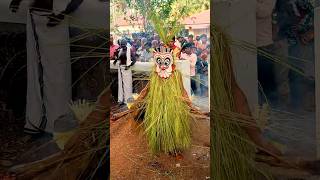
x=166, y=29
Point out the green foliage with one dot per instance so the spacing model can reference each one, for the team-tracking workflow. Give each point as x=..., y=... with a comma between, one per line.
x=232, y=152
x=165, y=29
x=161, y=7
x=167, y=116
x=189, y=7
x=167, y=10
x=145, y=7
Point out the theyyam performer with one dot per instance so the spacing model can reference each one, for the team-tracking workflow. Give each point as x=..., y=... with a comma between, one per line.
x=163, y=107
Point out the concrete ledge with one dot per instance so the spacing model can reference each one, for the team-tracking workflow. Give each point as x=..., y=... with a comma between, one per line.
x=182, y=66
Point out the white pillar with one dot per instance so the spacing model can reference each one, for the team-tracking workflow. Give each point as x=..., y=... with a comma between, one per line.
x=238, y=18
x=317, y=72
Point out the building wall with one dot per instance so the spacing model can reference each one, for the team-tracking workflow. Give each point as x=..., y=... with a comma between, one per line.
x=198, y=32
x=238, y=20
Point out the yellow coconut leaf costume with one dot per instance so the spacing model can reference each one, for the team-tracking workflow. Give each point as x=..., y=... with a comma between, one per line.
x=167, y=113
x=163, y=106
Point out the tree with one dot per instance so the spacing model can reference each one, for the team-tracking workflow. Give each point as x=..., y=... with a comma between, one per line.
x=190, y=7
x=168, y=10
x=144, y=8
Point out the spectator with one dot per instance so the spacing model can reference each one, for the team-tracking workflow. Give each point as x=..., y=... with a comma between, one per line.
x=183, y=41
x=208, y=53
x=156, y=37
x=203, y=42
x=191, y=40
x=113, y=48
x=135, y=43
x=146, y=43
x=154, y=44
x=208, y=49
x=202, y=70
x=265, y=43
x=194, y=49
x=197, y=38
x=192, y=58
x=126, y=60
x=143, y=52
x=294, y=20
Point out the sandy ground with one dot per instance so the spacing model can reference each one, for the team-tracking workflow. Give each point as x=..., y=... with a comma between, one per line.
x=295, y=131
x=131, y=159
x=12, y=141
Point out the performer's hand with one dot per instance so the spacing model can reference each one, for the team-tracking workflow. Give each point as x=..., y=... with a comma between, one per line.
x=55, y=20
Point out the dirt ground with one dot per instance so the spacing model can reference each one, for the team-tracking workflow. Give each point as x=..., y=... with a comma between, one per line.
x=12, y=141
x=131, y=159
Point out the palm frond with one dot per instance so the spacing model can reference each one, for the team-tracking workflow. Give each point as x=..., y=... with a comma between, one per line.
x=164, y=28
x=167, y=115
x=232, y=151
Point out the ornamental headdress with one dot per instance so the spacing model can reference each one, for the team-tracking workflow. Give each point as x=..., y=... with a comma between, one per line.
x=164, y=61
x=167, y=115
x=163, y=56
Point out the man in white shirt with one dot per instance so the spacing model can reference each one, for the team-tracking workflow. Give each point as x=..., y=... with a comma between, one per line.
x=264, y=42
x=48, y=64
x=192, y=58
x=126, y=59
x=143, y=52
x=264, y=22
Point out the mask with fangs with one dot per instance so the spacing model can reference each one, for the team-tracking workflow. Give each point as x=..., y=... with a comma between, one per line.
x=164, y=62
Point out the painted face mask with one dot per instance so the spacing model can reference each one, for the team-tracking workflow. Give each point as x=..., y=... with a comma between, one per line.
x=164, y=62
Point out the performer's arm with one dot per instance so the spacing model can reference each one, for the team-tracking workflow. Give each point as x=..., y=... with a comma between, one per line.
x=133, y=60
x=264, y=8
x=14, y=5
x=116, y=56
x=72, y=6
x=252, y=130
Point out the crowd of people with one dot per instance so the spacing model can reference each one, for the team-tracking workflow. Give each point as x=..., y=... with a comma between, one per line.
x=285, y=29
x=196, y=50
